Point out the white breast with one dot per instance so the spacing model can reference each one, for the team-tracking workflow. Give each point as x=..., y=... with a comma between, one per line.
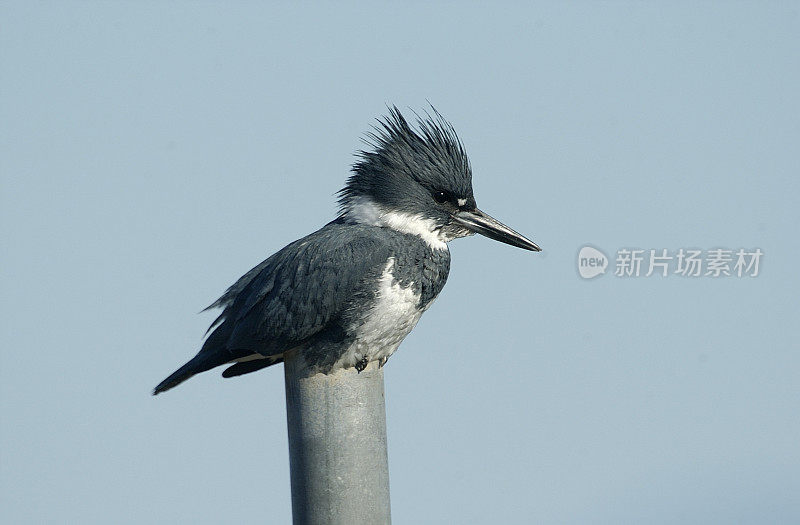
x=389, y=321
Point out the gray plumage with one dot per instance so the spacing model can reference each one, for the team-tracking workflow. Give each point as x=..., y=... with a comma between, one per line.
x=404, y=166
x=350, y=292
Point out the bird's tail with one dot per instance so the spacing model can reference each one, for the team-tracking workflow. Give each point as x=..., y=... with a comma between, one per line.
x=199, y=363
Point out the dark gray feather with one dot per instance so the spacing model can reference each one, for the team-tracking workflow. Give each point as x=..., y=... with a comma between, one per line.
x=311, y=293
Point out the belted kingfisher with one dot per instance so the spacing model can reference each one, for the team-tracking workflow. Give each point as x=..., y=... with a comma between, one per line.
x=349, y=293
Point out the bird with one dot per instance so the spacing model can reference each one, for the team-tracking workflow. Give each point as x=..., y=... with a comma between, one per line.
x=349, y=293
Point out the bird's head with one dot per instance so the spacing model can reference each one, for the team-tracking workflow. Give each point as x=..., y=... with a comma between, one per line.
x=419, y=182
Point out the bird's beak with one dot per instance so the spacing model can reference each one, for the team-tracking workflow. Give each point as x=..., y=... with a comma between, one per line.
x=479, y=222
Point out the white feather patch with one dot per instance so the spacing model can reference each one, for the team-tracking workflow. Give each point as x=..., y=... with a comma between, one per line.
x=394, y=314
x=363, y=210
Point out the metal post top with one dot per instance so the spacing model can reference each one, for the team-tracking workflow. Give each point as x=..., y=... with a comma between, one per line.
x=337, y=445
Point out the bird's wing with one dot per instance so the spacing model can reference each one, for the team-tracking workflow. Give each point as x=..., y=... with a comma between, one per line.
x=297, y=292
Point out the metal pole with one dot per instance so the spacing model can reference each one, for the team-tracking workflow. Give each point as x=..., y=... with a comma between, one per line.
x=337, y=445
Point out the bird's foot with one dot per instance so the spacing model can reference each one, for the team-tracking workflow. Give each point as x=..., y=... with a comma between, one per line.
x=361, y=365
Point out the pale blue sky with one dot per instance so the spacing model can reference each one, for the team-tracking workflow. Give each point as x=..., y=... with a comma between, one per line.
x=153, y=153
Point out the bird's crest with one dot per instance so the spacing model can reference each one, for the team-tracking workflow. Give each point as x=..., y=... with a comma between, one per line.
x=432, y=155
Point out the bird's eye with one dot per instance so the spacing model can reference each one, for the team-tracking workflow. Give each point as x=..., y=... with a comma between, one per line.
x=440, y=196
